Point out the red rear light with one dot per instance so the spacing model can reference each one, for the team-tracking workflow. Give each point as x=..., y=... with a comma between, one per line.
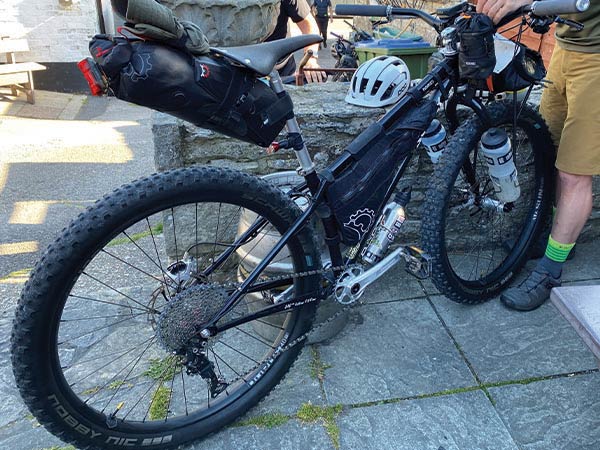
x=93, y=75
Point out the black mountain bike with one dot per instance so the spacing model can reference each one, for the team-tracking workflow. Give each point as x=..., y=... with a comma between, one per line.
x=177, y=302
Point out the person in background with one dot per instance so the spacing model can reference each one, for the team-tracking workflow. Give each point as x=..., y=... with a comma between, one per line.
x=299, y=12
x=570, y=106
x=323, y=12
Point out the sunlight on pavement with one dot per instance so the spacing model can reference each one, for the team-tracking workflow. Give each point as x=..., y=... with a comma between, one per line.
x=14, y=248
x=64, y=141
x=30, y=212
x=3, y=175
x=16, y=277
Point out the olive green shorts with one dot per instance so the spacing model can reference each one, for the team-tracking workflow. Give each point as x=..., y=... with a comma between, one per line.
x=571, y=108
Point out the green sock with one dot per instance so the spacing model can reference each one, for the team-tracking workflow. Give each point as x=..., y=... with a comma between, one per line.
x=556, y=251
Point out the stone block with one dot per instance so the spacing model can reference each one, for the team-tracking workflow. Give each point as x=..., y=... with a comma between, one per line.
x=581, y=307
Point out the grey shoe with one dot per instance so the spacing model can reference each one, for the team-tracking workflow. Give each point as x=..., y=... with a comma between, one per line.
x=532, y=292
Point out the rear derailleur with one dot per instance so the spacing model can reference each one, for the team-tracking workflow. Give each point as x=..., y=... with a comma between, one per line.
x=197, y=363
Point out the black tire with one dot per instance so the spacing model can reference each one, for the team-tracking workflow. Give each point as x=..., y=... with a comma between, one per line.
x=502, y=238
x=53, y=361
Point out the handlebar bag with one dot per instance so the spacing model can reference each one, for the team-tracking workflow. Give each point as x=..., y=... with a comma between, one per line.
x=207, y=91
x=356, y=196
x=476, y=57
x=527, y=67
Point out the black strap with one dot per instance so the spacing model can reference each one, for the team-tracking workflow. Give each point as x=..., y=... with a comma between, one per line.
x=282, y=109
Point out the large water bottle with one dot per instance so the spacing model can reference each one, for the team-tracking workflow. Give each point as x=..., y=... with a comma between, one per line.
x=392, y=218
x=434, y=139
x=496, y=149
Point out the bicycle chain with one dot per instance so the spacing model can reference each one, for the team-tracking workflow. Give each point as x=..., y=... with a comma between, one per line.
x=301, y=338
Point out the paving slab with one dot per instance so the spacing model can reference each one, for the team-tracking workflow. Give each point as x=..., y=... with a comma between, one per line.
x=293, y=435
x=297, y=387
x=585, y=265
x=465, y=421
x=511, y=345
x=28, y=435
x=393, y=350
x=557, y=414
x=395, y=285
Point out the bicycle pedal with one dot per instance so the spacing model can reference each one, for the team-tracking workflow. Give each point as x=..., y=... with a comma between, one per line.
x=418, y=263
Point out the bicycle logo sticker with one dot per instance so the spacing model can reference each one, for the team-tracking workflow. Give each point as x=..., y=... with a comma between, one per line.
x=141, y=69
x=361, y=221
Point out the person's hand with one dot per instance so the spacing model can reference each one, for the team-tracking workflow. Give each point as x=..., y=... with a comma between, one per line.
x=497, y=9
x=314, y=76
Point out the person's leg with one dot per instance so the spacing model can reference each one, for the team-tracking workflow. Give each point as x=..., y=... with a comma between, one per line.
x=573, y=207
x=576, y=78
x=322, y=24
x=324, y=31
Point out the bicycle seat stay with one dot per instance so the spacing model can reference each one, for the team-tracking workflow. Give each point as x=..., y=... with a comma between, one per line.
x=261, y=58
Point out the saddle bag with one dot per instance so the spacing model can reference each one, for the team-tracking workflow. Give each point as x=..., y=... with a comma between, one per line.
x=207, y=91
x=357, y=195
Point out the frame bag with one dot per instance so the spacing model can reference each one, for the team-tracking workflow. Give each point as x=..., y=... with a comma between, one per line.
x=357, y=195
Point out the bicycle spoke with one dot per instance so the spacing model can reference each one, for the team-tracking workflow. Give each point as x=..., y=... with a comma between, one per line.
x=118, y=292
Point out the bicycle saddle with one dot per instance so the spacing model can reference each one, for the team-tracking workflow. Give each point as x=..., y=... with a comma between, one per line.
x=262, y=58
x=451, y=11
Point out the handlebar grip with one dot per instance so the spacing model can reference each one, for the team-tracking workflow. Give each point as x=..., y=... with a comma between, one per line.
x=361, y=10
x=556, y=7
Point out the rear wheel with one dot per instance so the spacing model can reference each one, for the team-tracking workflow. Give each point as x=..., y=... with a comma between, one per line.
x=477, y=242
x=105, y=345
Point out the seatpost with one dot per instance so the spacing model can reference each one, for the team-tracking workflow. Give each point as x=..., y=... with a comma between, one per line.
x=307, y=166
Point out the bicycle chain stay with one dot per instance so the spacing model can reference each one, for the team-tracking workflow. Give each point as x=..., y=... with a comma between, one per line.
x=304, y=336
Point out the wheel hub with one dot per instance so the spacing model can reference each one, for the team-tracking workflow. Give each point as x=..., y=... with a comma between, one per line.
x=186, y=313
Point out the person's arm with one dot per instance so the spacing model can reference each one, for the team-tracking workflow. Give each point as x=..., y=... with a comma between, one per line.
x=330, y=8
x=497, y=9
x=309, y=26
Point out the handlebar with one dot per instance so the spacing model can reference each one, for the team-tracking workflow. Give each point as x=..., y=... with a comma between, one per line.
x=537, y=8
x=556, y=7
x=386, y=11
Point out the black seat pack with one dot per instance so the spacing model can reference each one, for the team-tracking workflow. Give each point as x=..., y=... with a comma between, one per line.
x=207, y=91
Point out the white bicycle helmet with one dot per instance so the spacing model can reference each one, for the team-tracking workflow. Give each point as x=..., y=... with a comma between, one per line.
x=378, y=82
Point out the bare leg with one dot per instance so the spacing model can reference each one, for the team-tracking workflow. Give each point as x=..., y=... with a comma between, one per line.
x=573, y=208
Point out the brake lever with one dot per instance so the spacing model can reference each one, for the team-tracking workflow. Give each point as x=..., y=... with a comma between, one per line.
x=578, y=26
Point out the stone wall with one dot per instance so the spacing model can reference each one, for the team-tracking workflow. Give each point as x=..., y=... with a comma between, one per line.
x=328, y=124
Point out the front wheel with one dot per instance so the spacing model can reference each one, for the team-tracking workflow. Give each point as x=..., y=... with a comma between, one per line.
x=478, y=243
x=105, y=345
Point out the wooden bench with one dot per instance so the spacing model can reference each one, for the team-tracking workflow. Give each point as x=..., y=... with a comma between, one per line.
x=581, y=307
x=17, y=75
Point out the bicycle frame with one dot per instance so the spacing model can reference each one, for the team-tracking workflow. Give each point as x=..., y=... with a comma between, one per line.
x=442, y=84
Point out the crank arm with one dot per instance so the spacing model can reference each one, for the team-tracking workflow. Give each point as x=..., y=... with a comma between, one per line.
x=418, y=264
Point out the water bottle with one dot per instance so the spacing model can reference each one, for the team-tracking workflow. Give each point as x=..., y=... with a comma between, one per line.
x=496, y=149
x=392, y=218
x=434, y=140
